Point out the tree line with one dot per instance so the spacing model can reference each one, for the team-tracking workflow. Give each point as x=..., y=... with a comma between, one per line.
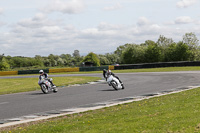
x=163, y=50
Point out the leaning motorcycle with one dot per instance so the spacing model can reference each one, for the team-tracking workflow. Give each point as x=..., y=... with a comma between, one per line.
x=46, y=86
x=114, y=82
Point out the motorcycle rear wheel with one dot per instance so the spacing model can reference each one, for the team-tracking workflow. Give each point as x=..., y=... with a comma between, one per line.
x=55, y=90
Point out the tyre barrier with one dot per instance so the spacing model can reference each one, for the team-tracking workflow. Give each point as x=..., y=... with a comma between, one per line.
x=83, y=69
x=76, y=69
x=56, y=70
x=20, y=72
x=111, y=67
x=158, y=65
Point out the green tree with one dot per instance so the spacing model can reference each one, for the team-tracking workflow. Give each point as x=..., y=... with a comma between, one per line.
x=92, y=57
x=112, y=58
x=52, y=61
x=153, y=53
x=193, y=43
x=4, y=64
x=134, y=54
x=183, y=53
x=178, y=52
x=163, y=41
x=103, y=60
x=170, y=53
x=120, y=51
x=76, y=53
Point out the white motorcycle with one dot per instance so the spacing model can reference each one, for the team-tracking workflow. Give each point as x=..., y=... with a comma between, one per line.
x=116, y=84
x=46, y=86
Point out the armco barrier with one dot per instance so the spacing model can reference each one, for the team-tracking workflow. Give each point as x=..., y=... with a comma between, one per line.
x=32, y=71
x=76, y=69
x=93, y=68
x=4, y=73
x=157, y=65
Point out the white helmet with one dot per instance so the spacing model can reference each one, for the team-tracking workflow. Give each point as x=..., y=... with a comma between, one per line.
x=41, y=71
x=109, y=71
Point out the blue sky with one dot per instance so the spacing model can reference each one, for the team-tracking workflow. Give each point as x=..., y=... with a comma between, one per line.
x=35, y=27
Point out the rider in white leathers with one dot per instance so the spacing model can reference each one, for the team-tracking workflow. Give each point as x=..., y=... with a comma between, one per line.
x=42, y=76
x=107, y=73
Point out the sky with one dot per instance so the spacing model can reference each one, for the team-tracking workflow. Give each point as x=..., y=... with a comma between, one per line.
x=43, y=27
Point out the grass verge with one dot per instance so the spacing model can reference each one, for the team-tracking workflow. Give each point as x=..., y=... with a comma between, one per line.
x=165, y=114
x=30, y=84
x=164, y=69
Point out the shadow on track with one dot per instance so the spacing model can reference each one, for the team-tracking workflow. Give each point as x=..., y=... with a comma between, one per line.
x=108, y=90
x=36, y=93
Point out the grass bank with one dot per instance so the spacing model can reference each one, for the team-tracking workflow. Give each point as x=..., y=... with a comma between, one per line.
x=165, y=114
x=30, y=84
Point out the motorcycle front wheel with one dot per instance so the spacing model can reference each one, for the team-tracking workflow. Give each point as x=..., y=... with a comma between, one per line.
x=44, y=89
x=114, y=85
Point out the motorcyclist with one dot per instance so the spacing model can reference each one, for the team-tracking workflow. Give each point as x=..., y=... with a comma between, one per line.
x=44, y=75
x=108, y=72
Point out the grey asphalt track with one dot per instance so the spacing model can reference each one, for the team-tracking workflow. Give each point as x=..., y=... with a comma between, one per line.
x=136, y=84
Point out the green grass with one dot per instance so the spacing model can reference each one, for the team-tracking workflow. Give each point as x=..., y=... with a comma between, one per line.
x=166, y=114
x=164, y=69
x=30, y=84
x=172, y=113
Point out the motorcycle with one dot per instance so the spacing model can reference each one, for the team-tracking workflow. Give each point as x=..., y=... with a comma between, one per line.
x=46, y=86
x=114, y=82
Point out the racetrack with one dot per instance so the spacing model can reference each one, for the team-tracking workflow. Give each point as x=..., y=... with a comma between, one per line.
x=136, y=84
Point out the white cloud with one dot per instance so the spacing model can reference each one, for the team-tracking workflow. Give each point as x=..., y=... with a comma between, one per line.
x=69, y=7
x=94, y=30
x=38, y=21
x=185, y=3
x=59, y=39
x=114, y=7
x=169, y=23
x=1, y=11
x=197, y=22
x=183, y=20
x=143, y=21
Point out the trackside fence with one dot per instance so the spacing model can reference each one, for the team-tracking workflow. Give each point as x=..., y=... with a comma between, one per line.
x=36, y=71
x=56, y=70
x=83, y=69
x=158, y=65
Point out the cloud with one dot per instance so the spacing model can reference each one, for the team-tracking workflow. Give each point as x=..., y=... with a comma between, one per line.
x=41, y=35
x=114, y=7
x=143, y=21
x=1, y=11
x=183, y=20
x=69, y=7
x=197, y=22
x=185, y=3
x=38, y=21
